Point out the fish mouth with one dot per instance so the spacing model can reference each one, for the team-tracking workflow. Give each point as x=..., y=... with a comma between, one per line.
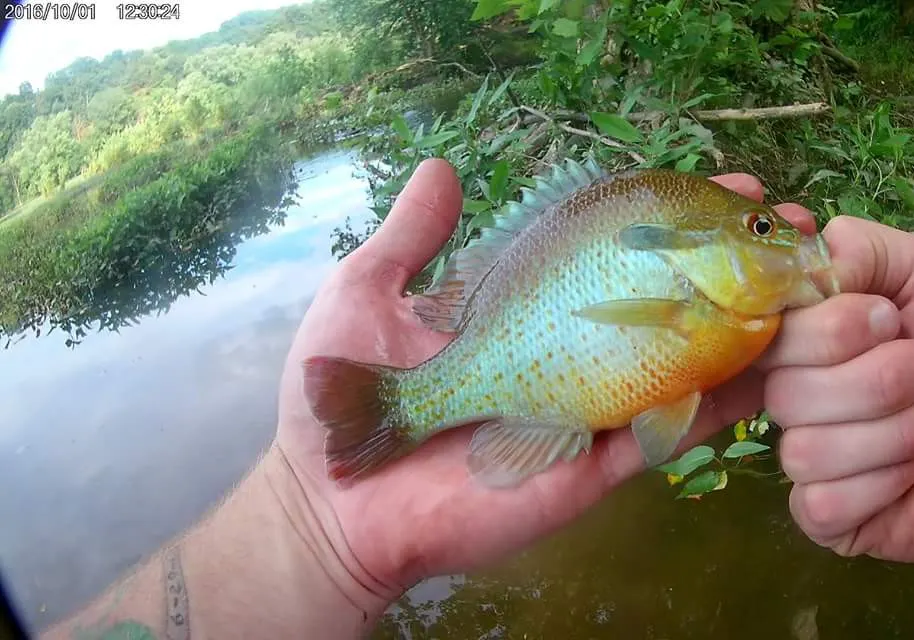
x=816, y=264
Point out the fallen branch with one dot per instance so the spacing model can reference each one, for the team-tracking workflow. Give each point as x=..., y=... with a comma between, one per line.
x=763, y=113
x=586, y=134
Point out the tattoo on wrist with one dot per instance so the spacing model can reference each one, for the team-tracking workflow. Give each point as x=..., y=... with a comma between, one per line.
x=177, y=621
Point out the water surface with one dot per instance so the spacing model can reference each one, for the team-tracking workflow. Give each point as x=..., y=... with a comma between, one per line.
x=109, y=449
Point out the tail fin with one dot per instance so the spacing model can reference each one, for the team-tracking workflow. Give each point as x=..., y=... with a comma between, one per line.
x=345, y=397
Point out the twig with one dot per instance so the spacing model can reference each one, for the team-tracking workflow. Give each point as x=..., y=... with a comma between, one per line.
x=412, y=63
x=586, y=134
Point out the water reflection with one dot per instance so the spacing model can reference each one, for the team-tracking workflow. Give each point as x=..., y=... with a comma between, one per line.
x=109, y=449
x=643, y=566
x=101, y=445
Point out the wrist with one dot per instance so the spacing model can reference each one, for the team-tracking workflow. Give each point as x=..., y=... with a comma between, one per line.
x=266, y=559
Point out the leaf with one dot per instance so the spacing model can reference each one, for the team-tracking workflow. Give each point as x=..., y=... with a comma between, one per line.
x=499, y=180
x=592, y=49
x=891, y=146
x=545, y=5
x=694, y=102
x=477, y=101
x=904, y=190
x=774, y=10
x=688, y=163
x=673, y=479
x=822, y=174
x=476, y=206
x=399, y=125
x=615, y=126
x=565, y=28
x=760, y=426
x=483, y=219
x=740, y=430
x=435, y=139
x=745, y=448
x=490, y=8
x=705, y=483
x=689, y=461
x=501, y=89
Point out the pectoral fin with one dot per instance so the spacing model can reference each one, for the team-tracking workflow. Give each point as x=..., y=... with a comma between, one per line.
x=503, y=453
x=659, y=430
x=648, y=312
x=661, y=237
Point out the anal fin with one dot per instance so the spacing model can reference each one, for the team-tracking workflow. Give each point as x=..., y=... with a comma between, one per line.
x=505, y=452
x=660, y=430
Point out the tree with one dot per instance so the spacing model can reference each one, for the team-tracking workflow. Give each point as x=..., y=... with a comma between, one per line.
x=432, y=27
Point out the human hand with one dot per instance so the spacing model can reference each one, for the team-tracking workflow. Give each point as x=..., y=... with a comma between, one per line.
x=848, y=409
x=423, y=515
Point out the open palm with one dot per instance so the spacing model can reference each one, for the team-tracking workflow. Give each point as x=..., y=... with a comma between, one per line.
x=424, y=515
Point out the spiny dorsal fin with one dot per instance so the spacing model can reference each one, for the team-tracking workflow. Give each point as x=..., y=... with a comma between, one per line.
x=442, y=306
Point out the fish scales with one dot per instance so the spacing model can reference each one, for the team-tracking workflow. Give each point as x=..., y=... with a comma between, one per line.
x=596, y=302
x=524, y=354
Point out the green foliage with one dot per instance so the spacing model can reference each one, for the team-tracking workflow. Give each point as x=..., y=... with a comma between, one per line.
x=158, y=240
x=429, y=27
x=746, y=448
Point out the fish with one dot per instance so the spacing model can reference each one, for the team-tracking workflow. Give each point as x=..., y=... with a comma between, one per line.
x=596, y=301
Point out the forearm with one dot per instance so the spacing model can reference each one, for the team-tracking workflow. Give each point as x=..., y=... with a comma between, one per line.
x=253, y=568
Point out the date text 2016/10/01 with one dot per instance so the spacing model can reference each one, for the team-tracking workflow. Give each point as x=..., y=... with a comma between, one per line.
x=66, y=11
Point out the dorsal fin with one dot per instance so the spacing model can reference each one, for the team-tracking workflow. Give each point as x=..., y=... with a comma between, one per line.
x=443, y=304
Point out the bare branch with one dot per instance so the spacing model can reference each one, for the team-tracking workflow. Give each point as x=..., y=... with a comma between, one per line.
x=586, y=134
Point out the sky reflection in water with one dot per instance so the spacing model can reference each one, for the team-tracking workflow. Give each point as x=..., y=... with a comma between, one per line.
x=101, y=446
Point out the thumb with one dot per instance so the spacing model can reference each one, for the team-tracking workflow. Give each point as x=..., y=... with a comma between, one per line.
x=872, y=258
x=420, y=222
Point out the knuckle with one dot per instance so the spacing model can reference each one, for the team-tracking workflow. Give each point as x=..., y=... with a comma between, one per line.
x=819, y=508
x=904, y=435
x=842, y=226
x=840, y=331
x=797, y=453
x=893, y=380
x=779, y=397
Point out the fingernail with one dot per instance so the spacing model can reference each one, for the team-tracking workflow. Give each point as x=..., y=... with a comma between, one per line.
x=884, y=321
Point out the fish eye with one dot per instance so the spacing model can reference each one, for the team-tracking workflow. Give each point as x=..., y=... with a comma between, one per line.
x=760, y=224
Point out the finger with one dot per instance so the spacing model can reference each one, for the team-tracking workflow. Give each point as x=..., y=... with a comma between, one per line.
x=800, y=217
x=870, y=257
x=826, y=510
x=832, y=332
x=816, y=454
x=742, y=183
x=871, y=386
x=420, y=222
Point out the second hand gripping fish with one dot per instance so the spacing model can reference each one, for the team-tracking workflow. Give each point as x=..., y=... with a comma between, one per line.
x=597, y=301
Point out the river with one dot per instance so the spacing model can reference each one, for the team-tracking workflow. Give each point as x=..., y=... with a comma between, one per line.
x=110, y=448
